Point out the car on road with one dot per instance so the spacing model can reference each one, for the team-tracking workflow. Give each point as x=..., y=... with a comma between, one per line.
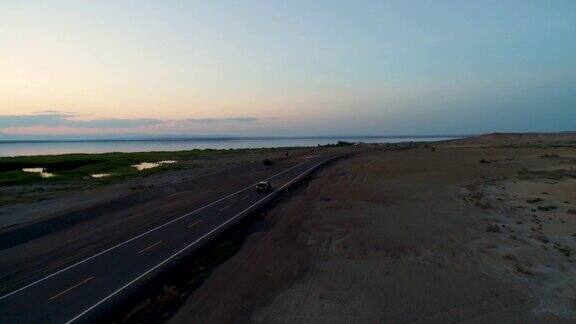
x=264, y=187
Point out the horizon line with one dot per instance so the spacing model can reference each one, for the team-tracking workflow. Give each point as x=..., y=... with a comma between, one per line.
x=184, y=138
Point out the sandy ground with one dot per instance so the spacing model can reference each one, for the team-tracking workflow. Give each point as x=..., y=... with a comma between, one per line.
x=423, y=235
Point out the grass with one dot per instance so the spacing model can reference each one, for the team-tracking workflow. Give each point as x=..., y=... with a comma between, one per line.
x=77, y=166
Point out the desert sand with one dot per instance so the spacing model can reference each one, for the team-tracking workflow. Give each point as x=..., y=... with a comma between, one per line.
x=476, y=230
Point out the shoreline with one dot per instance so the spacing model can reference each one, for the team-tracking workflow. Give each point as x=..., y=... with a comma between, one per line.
x=31, y=148
x=225, y=138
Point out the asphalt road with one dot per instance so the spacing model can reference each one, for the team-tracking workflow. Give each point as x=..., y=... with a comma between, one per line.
x=78, y=292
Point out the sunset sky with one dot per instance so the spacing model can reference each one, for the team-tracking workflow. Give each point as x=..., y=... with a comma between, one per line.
x=286, y=67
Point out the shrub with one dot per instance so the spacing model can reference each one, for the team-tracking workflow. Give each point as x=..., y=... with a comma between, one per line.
x=267, y=162
x=547, y=208
x=494, y=228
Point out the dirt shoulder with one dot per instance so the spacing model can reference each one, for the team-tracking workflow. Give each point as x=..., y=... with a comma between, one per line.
x=400, y=236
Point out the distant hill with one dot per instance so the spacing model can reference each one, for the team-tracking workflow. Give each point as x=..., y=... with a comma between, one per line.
x=519, y=138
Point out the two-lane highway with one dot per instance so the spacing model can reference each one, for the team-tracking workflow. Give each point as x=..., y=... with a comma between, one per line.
x=79, y=291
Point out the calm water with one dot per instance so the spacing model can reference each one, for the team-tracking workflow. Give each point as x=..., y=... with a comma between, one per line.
x=18, y=149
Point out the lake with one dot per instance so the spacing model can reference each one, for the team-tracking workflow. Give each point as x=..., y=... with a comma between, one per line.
x=62, y=147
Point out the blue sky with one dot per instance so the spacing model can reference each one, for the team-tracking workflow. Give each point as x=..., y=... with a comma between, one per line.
x=287, y=67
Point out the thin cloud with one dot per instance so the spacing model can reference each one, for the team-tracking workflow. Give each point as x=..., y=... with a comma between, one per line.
x=55, y=119
x=222, y=120
x=52, y=118
x=48, y=111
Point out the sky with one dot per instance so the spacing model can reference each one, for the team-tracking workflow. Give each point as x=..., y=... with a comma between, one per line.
x=286, y=68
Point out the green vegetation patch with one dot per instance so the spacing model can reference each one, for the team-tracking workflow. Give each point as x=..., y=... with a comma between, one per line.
x=75, y=166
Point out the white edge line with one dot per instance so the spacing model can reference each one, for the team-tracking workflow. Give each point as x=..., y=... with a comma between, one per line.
x=142, y=234
x=187, y=247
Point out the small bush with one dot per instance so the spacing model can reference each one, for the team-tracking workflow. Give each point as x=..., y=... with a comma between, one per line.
x=267, y=162
x=543, y=239
x=494, y=228
x=522, y=269
x=547, y=208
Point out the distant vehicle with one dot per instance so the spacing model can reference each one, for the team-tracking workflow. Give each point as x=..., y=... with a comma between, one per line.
x=263, y=187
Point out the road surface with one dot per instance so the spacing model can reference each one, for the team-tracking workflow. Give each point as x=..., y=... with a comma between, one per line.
x=78, y=292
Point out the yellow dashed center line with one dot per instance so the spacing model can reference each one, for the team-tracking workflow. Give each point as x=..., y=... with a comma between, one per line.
x=195, y=223
x=67, y=290
x=149, y=247
x=223, y=208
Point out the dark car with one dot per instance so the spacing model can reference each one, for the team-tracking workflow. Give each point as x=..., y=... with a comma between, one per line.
x=263, y=187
